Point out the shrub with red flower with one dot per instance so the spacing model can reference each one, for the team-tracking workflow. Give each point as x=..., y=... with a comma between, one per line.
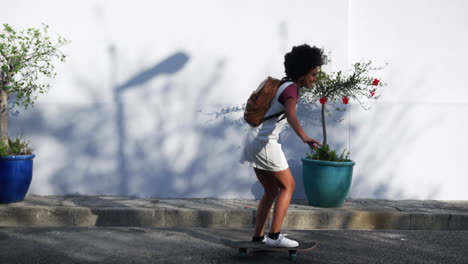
x=345, y=100
x=336, y=87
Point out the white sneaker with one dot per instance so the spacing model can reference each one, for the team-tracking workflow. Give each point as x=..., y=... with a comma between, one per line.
x=282, y=241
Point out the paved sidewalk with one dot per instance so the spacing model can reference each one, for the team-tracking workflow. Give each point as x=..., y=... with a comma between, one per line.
x=230, y=213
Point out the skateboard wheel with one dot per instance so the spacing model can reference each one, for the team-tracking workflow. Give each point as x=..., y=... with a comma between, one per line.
x=293, y=257
x=242, y=252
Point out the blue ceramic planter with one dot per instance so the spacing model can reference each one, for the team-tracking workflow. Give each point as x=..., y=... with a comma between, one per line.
x=327, y=183
x=15, y=177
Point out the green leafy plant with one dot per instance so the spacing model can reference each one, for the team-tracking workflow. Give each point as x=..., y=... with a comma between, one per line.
x=324, y=153
x=26, y=57
x=18, y=146
x=337, y=87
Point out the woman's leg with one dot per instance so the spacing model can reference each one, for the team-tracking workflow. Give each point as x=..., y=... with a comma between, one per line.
x=271, y=190
x=286, y=184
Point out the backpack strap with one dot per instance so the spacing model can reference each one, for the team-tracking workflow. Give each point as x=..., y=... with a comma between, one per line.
x=275, y=115
x=283, y=81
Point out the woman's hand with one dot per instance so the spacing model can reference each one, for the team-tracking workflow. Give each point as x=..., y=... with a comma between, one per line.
x=312, y=142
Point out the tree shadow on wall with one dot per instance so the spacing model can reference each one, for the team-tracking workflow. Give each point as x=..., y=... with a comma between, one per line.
x=398, y=130
x=99, y=149
x=187, y=158
x=170, y=65
x=85, y=133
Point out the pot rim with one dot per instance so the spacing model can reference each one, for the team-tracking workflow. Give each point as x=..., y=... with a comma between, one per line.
x=18, y=157
x=329, y=163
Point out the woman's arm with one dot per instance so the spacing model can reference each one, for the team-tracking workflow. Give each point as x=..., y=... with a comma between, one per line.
x=290, y=109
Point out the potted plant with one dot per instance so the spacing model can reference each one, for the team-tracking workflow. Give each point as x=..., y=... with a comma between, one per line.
x=25, y=58
x=326, y=175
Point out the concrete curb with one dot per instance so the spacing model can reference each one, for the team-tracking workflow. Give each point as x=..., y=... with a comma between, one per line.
x=216, y=213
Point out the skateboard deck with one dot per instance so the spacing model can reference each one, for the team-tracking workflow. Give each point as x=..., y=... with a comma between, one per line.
x=243, y=246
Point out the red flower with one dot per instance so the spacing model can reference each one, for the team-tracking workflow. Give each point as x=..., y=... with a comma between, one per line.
x=372, y=93
x=323, y=100
x=345, y=100
x=376, y=82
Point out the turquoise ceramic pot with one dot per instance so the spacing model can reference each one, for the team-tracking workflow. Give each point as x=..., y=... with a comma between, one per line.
x=327, y=183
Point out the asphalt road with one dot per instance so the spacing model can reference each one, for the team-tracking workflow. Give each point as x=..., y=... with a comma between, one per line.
x=162, y=245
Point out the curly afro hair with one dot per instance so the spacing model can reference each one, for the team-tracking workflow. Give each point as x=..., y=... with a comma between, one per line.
x=301, y=60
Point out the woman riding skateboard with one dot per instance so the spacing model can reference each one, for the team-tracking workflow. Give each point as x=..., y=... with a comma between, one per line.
x=264, y=153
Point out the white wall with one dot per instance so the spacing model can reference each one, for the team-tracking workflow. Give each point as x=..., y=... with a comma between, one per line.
x=116, y=122
x=413, y=144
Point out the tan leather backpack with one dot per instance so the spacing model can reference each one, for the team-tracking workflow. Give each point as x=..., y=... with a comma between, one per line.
x=259, y=102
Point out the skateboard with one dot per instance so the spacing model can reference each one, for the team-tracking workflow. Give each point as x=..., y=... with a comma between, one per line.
x=243, y=246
